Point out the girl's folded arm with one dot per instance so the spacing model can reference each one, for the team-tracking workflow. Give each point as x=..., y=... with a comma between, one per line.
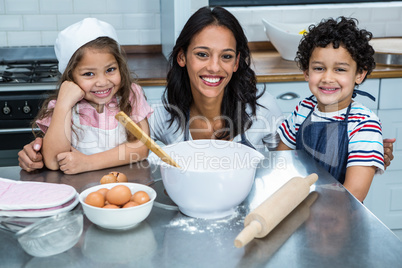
x=58, y=136
x=123, y=154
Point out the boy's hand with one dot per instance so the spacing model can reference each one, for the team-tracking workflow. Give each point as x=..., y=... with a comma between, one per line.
x=388, y=151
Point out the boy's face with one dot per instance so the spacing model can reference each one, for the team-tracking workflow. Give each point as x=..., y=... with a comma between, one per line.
x=331, y=76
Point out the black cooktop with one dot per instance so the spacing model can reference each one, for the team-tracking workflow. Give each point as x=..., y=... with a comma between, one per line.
x=28, y=65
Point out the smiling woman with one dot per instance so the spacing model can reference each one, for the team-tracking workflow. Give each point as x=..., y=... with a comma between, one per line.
x=211, y=90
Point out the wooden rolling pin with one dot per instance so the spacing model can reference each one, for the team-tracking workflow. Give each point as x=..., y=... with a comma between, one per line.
x=129, y=124
x=274, y=209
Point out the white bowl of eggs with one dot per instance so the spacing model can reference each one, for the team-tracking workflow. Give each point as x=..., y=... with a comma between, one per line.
x=117, y=205
x=285, y=37
x=214, y=177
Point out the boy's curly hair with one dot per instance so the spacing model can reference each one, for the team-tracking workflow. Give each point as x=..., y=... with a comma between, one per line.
x=338, y=32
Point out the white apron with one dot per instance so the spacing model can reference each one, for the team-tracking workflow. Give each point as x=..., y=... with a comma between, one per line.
x=91, y=140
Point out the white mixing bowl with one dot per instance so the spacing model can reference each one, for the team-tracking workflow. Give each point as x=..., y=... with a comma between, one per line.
x=214, y=178
x=285, y=37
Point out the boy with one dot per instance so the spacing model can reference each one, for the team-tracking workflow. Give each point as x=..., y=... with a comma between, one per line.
x=342, y=135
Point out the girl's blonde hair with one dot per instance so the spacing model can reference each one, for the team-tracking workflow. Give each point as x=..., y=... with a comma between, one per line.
x=100, y=43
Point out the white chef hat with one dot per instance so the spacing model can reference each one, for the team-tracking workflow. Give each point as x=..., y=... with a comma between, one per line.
x=77, y=35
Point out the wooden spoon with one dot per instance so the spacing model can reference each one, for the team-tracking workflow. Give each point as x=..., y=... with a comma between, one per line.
x=144, y=138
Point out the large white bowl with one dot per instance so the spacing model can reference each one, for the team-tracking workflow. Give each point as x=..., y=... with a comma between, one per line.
x=214, y=178
x=123, y=218
x=285, y=37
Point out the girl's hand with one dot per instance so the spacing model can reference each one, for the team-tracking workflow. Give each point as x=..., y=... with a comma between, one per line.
x=72, y=162
x=70, y=93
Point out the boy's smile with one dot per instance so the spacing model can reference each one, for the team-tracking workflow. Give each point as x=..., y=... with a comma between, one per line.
x=332, y=76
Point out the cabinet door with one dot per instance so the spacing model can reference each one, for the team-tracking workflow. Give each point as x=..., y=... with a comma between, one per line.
x=385, y=195
x=391, y=93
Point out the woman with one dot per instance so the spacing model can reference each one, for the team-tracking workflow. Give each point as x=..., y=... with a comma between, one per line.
x=211, y=91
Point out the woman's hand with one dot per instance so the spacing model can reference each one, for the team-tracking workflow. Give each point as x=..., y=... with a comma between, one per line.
x=73, y=162
x=70, y=93
x=388, y=151
x=30, y=157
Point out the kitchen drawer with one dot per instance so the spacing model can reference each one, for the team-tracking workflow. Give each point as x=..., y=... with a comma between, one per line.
x=288, y=94
x=391, y=93
x=153, y=94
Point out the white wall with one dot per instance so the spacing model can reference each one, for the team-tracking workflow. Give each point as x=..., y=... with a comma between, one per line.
x=382, y=19
x=37, y=22
x=138, y=22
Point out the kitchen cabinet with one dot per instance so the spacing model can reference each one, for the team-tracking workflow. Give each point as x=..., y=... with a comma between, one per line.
x=385, y=195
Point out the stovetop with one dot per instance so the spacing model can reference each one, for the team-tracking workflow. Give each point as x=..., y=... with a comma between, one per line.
x=28, y=65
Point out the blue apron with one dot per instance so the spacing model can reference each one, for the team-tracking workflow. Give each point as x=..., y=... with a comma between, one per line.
x=243, y=141
x=327, y=143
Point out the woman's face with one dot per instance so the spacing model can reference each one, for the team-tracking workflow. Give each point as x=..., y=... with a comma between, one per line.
x=98, y=75
x=210, y=61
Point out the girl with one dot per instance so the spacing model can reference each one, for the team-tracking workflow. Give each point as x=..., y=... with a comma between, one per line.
x=81, y=132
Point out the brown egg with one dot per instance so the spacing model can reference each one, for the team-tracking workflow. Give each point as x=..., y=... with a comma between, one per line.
x=103, y=191
x=109, y=178
x=120, y=177
x=118, y=195
x=110, y=206
x=130, y=204
x=95, y=199
x=140, y=197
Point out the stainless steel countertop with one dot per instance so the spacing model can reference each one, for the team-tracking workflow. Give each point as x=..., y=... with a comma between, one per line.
x=329, y=229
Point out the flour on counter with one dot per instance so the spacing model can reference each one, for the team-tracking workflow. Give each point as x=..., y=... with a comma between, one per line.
x=197, y=226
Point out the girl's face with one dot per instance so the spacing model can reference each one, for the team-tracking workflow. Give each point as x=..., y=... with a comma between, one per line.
x=331, y=76
x=210, y=61
x=98, y=75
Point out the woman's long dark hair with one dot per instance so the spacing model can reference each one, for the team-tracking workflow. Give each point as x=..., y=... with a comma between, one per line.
x=241, y=90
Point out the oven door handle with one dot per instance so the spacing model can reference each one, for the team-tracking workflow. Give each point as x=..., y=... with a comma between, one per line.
x=17, y=130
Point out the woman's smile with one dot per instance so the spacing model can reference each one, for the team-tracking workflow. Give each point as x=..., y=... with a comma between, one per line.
x=212, y=81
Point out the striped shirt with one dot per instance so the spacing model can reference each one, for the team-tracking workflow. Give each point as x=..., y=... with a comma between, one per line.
x=364, y=130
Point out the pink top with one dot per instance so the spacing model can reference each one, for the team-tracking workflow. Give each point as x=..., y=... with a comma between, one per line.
x=106, y=120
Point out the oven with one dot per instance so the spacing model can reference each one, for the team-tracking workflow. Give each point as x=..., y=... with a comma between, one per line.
x=27, y=76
